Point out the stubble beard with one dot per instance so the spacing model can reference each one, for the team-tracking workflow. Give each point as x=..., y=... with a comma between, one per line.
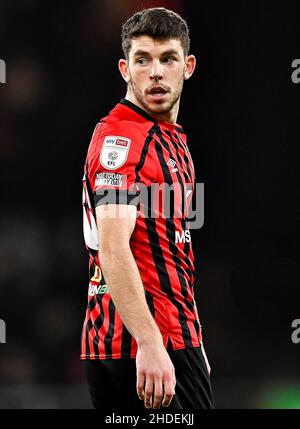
x=159, y=109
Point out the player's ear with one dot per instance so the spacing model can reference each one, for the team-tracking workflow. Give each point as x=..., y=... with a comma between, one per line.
x=123, y=67
x=190, y=65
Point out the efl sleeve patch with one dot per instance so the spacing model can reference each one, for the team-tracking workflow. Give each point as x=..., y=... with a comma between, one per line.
x=114, y=152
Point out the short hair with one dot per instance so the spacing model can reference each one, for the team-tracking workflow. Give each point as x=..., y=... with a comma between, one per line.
x=159, y=23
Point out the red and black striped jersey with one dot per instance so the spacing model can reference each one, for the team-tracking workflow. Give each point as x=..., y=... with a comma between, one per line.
x=135, y=159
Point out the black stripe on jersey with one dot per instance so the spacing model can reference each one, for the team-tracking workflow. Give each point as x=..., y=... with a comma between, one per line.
x=197, y=327
x=180, y=130
x=144, y=152
x=185, y=157
x=91, y=304
x=149, y=299
x=158, y=256
x=110, y=333
x=171, y=228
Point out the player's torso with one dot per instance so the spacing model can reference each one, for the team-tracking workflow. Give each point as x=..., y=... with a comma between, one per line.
x=161, y=241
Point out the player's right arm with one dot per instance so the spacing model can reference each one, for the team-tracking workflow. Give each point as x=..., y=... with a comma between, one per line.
x=155, y=371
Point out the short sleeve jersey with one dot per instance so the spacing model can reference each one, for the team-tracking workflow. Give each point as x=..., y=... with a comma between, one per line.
x=135, y=159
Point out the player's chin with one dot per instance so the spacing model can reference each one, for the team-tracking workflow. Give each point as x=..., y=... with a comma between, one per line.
x=159, y=107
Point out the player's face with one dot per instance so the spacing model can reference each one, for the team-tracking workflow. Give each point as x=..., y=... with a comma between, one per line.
x=155, y=72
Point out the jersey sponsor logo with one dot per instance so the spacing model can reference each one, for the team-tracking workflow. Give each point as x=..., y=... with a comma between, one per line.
x=182, y=236
x=111, y=179
x=122, y=142
x=114, y=152
x=172, y=164
x=97, y=290
x=100, y=287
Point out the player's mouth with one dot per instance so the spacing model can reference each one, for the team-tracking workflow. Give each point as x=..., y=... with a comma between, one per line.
x=157, y=93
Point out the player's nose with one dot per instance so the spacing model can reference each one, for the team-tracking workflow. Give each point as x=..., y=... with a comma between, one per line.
x=156, y=70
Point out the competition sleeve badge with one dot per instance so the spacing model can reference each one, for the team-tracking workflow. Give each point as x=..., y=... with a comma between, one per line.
x=114, y=152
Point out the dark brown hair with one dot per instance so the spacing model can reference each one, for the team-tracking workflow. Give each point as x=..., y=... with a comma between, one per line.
x=159, y=23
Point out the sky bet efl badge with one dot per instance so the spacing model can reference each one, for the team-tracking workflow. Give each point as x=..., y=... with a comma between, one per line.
x=114, y=151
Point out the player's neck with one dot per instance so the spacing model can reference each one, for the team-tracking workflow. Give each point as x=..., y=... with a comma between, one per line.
x=170, y=117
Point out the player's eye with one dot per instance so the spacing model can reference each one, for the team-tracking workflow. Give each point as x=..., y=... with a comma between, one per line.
x=142, y=61
x=169, y=60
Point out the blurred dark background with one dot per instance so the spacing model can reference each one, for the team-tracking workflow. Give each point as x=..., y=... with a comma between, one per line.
x=241, y=113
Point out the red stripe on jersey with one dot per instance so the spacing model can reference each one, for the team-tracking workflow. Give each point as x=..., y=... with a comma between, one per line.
x=133, y=348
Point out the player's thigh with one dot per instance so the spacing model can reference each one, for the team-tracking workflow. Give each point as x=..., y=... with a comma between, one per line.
x=193, y=386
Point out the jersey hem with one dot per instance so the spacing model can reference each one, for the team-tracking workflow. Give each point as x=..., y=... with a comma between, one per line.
x=124, y=356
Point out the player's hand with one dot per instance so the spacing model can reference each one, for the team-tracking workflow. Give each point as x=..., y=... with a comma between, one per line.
x=155, y=376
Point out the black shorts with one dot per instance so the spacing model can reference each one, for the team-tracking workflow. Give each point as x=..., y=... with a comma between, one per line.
x=112, y=382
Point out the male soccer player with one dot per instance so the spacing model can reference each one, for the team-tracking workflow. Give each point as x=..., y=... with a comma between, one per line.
x=141, y=338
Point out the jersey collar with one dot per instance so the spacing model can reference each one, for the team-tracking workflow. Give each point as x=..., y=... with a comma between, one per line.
x=137, y=109
x=146, y=115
